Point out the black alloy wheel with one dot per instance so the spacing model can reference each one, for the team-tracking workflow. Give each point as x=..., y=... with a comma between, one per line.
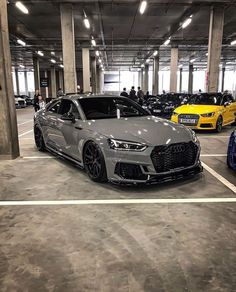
x=94, y=162
x=219, y=124
x=39, y=141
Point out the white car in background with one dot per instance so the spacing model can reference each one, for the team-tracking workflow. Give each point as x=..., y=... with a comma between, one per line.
x=19, y=102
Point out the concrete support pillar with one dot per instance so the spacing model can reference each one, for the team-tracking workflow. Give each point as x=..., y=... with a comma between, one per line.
x=155, y=84
x=180, y=79
x=68, y=47
x=223, y=79
x=17, y=82
x=53, y=82
x=142, y=79
x=46, y=88
x=214, y=48
x=9, y=145
x=174, y=69
x=61, y=79
x=86, y=69
x=146, y=78
x=36, y=73
x=94, y=75
x=98, y=89
x=190, y=79
x=26, y=83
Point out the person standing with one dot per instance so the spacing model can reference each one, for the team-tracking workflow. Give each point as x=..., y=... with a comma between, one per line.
x=140, y=95
x=124, y=93
x=59, y=92
x=36, y=100
x=132, y=94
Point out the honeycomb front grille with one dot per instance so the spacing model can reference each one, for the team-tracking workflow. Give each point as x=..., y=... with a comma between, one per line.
x=167, y=158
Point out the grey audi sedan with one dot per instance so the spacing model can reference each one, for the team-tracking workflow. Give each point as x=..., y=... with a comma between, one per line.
x=114, y=139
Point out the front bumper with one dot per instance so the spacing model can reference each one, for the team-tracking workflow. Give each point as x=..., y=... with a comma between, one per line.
x=202, y=124
x=138, y=168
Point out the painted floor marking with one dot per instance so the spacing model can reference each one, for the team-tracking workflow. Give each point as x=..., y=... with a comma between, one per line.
x=25, y=123
x=213, y=155
x=23, y=134
x=213, y=136
x=118, y=202
x=38, y=157
x=223, y=180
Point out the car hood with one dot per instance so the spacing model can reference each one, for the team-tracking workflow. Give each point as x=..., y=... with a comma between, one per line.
x=197, y=109
x=149, y=130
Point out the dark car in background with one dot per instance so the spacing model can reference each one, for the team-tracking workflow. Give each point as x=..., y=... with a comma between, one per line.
x=28, y=99
x=165, y=104
x=231, y=157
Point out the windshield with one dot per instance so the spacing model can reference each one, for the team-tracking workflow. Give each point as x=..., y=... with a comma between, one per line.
x=110, y=108
x=205, y=100
x=170, y=98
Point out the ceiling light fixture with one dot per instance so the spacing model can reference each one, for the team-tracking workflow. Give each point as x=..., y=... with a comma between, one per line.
x=192, y=60
x=53, y=61
x=206, y=54
x=148, y=60
x=61, y=65
x=180, y=66
x=86, y=21
x=187, y=22
x=53, y=53
x=93, y=42
x=142, y=7
x=97, y=53
x=99, y=60
x=142, y=66
x=233, y=43
x=22, y=7
x=21, y=66
x=166, y=43
x=40, y=53
x=21, y=42
x=155, y=53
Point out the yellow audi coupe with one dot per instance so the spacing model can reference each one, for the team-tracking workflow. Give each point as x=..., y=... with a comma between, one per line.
x=206, y=111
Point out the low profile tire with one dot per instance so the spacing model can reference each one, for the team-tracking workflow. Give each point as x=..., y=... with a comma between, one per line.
x=39, y=141
x=219, y=124
x=94, y=162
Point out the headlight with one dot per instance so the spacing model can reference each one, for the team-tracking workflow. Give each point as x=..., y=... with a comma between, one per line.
x=174, y=114
x=209, y=115
x=126, y=145
x=194, y=136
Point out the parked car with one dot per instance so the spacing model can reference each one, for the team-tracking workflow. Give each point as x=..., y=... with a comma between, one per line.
x=29, y=100
x=231, y=157
x=115, y=139
x=206, y=111
x=19, y=101
x=165, y=104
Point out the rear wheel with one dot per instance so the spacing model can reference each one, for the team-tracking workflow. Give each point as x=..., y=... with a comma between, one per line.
x=219, y=124
x=39, y=141
x=94, y=162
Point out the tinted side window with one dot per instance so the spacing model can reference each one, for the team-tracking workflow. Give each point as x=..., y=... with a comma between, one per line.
x=53, y=108
x=67, y=107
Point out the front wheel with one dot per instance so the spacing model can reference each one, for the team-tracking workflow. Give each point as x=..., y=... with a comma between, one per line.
x=39, y=141
x=219, y=124
x=94, y=162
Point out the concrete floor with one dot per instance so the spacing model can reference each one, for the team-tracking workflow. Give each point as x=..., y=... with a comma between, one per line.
x=129, y=247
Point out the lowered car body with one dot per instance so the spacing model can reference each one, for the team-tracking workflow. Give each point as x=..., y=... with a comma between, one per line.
x=114, y=139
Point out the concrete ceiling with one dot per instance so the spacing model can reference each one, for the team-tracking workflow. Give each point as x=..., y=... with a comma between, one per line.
x=124, y=37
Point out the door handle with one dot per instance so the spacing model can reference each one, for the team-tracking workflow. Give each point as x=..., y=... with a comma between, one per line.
x=78, y=128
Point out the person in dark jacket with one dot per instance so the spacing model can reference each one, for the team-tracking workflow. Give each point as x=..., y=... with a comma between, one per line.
x=132, y=94
x=124, y=93
x=36, y=100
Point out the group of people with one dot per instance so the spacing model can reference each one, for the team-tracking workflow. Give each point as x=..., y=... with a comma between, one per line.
x=39, y=101
x=138, y=96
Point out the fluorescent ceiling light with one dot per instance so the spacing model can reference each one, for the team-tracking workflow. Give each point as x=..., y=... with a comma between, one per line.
x=99, y=60
x=180, y=66
x=61, y=65
x=142, y=66
x=22, y=7
x=21, y=66
x=40, y=53
x=166, y=43
x=186, y=22
x=155, y=53
x=148, y=60
x=97, y=53
x=53, y=53
x=93, y=42
x=192, y=60
x=233, y=43
x=53, y=61
x=143, y=6
x=21, y=42
x=206, y=54
x=86, y=23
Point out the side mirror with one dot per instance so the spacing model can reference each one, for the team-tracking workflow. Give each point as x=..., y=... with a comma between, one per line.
x=68, y=117
x=226, y=104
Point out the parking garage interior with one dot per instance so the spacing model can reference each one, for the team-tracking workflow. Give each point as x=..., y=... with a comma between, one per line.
x=61, y=231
